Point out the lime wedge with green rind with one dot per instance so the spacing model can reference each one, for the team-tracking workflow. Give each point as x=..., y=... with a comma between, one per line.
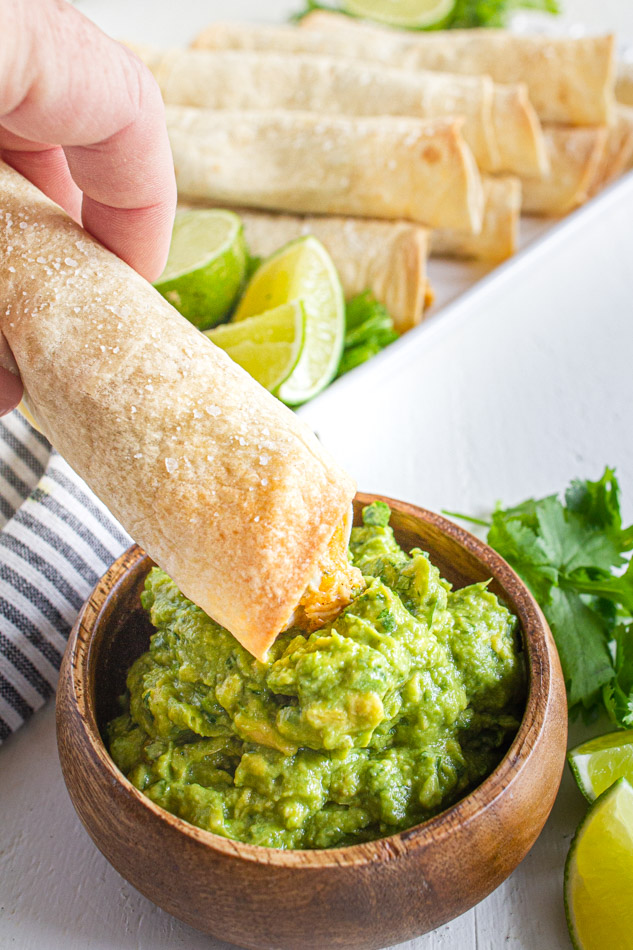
x=268, y=346
x=302, y=270
x=599, y=874
x=206, y=265
x=410, y=14
x=599, y=763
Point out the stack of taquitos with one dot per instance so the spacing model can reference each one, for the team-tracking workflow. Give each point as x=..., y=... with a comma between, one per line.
x=570, y=83
x=338, y=120
x=223, y=486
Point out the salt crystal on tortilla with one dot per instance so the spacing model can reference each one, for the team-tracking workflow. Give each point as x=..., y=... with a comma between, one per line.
x=171, y=465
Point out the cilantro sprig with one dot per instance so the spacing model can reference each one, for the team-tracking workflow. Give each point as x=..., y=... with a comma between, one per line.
x=368, y=330
x=575, y=556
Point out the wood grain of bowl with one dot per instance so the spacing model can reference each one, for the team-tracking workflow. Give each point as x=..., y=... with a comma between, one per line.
x=369, y=895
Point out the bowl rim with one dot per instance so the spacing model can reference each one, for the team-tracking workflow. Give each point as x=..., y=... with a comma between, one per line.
x=539, y=651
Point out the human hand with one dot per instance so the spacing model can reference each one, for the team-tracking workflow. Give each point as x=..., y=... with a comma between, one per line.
x=82, y=118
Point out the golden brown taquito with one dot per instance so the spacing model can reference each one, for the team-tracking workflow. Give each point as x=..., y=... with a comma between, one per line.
x=617, y=155
x=574, y=155
x=570, y=80
x=223, y=486
x=624, y=83
x=500, y=125
x=499, y=233
x=377, y=167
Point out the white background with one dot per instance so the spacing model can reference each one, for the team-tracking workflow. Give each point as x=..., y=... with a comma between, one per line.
x=521, y=384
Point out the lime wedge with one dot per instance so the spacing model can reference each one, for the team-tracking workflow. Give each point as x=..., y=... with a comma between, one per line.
x=206, y=265
x=267, y=346
x=599, y=763
x=411, y=14
x=599, y=874
x=302, y=270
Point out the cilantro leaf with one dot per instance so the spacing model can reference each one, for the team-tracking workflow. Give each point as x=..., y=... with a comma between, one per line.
x=494, y=13
x=368, y=330
x=582, y=647
x=571, y=552
x=524, y=550
x=618, y=588
x=572, y=542
x=618, y=695
x=598, y=502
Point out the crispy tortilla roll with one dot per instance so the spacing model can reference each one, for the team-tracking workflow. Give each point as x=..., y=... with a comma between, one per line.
x=500, y=124
x=226, y=489
x=617, y=156
x=232, y=79
x=387, y=167
x=624, y=84
x=575, y=156
x=499, y=233
x=569, y=80
x=387, y=257
x=518, y=132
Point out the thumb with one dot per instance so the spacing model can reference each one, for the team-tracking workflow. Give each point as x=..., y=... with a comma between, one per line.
x=11, y=388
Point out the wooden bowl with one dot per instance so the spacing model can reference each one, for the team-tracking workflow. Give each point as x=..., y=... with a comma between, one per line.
x=369, y=895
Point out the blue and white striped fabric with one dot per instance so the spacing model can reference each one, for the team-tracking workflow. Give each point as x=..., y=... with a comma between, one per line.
x=56, y=540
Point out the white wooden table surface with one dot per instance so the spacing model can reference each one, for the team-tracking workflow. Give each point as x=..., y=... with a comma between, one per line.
x=518, y=386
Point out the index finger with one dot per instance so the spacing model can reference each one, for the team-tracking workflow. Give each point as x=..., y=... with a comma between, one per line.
x=65, y=83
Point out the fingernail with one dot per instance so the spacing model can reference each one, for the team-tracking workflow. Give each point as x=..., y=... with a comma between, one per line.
x=11, y=390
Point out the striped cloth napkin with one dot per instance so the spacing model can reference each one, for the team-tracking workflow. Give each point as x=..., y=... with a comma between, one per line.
x=56, y=540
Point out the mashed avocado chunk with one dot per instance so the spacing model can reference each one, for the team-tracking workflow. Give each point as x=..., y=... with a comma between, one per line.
x=370, y=725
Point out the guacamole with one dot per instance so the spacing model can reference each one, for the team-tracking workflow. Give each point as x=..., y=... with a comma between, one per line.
x=369, y=725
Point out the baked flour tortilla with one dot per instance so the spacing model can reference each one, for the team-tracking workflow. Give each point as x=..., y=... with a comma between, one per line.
x=624, y=83
x=575, y=157
x=570, y=80
x=370, y=167
x=500, y=124
x=221, y=484
x=499, y=235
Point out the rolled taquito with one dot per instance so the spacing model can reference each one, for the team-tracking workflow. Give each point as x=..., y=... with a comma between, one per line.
x=223, y=486
x=518, y=133
x=574, y=156
x=508, y=140
x=624, y=83
x=387, y=257
x=499, y=233
x=378, y=167
x=617, y=156
x=570, y=80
